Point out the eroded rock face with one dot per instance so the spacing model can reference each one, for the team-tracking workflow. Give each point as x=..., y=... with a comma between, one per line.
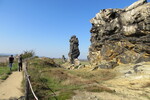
x=121, y=35
x=74, y=50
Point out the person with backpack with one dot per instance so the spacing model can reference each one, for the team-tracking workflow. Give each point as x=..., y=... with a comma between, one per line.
x=20, y=63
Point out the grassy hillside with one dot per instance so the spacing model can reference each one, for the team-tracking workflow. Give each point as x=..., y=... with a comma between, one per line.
x=51, y=82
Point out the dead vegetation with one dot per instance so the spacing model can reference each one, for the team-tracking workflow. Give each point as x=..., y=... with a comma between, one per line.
x=99, y=89
x=102, y=83
x=45, y=77
x=146, y=85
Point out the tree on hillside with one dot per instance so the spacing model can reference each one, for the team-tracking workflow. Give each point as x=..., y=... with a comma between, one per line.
x=28, y=54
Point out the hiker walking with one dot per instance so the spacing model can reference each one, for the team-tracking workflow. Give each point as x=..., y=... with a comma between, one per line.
x=20, y=63
x=11, y=60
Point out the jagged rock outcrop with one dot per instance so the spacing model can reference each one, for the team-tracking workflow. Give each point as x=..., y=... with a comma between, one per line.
x=121, y=35
x=74, y=49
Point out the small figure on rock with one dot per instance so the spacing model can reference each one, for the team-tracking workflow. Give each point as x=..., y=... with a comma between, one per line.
x=63, y=58
x=11, y=61
x=74, y=50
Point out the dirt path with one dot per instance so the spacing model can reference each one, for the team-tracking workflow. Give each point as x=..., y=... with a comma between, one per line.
x=11, y=88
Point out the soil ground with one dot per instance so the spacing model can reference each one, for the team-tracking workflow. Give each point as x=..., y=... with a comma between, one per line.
x=11, y=87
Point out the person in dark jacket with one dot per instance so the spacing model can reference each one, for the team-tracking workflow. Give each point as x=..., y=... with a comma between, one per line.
x=11, y=61
x=20, y=63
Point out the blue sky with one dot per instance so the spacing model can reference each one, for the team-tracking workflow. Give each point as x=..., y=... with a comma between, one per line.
x=46, y=26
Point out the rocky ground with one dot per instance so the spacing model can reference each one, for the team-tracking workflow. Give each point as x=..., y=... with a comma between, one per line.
x=121, y=37
x=131, y=83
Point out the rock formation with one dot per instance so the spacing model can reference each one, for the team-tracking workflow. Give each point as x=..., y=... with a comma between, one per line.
x=74, y=50
x=120, y=36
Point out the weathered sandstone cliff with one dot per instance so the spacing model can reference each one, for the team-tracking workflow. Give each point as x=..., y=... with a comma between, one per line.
x=120, y=36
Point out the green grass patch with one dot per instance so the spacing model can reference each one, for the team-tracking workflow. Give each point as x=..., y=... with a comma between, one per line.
x=5, y=71
x=46, y=80
x=15, y=67
x=4, y=77
x=65, y=95
x=59, y=61
x=84, y=62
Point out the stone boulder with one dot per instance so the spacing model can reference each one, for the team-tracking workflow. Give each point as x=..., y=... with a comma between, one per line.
x=121, y=35
x=74, y=49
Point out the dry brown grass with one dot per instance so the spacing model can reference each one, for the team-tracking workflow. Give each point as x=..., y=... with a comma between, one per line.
x=99, y=89
x=146, y=85
x=94, y=76
x=60, y=80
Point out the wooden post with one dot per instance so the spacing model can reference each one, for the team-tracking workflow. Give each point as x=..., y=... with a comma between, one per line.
x=27, y=88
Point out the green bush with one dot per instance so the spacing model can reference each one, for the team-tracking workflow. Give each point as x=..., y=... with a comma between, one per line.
x=28, y=54
x=45, y=62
